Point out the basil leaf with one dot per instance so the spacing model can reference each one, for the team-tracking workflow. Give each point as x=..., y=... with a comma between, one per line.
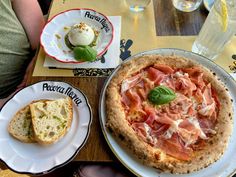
x=85, y=53
x=161, y=95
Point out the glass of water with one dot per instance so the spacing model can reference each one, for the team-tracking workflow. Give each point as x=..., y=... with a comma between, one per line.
x=186, y=5
x=137, y=5
x=218, y=29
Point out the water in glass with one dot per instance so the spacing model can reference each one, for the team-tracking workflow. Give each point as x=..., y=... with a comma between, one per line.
x=217, y=30
x=186, y=5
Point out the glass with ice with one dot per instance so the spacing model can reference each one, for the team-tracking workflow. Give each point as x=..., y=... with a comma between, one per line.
x=186, y=5
x=218, y=29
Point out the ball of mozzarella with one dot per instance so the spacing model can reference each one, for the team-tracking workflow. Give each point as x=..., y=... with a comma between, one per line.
x=81, y=34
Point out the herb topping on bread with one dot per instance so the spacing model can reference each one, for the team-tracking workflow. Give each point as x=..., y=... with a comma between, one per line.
x=20, y=127
x=51, y=119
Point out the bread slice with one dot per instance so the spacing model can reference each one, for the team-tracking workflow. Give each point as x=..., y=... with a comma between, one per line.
x=51, y=119
x=20, y=127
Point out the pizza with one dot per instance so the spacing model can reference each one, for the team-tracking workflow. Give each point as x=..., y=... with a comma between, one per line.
x=171, y=112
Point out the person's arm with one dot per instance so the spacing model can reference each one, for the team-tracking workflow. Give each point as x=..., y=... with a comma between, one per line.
x=31, y=17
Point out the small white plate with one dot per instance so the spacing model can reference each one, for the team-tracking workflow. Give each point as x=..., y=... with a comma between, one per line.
x=208, y=4
x=53, y=35
x=224, y=167
x=36, y=159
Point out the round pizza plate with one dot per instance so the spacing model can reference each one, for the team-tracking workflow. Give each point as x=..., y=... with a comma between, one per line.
x=35, y=159
x=225, y=166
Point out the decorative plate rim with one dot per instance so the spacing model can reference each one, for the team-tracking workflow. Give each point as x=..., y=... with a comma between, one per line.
x=68, y=10
x=78, y=148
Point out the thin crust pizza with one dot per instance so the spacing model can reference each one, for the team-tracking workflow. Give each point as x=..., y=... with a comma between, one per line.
x=172, y=113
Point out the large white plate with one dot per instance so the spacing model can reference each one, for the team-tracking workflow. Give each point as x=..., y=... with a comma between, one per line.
x=225, y=166
x=56, y=48
x=33, y=158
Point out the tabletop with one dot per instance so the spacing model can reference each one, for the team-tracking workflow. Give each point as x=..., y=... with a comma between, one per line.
x=168, y=21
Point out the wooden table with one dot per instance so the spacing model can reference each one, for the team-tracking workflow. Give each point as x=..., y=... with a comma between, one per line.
x=169, y=21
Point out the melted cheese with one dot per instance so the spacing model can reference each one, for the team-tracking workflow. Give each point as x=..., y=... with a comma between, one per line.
x=174, y=128
x=179, y=74
x=148, y=132
x=207, y=110
x=195, y=123
x=126, y=83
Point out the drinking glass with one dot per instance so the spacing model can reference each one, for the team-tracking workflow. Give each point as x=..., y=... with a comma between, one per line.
x=137, y=5
x=186, y=5
x=218, y=29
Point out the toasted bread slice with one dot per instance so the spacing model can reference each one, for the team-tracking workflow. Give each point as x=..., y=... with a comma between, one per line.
x=51, y=119
x=20, y=127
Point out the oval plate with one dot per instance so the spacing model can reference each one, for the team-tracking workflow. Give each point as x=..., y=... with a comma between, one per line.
x=225, y=166
x=53, y=35
x=36, y=159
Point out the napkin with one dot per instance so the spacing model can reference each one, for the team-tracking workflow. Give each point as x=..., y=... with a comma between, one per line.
x=109, y=60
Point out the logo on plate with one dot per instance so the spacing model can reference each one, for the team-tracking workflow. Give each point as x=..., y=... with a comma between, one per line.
x=102, y=21
x=63, y=90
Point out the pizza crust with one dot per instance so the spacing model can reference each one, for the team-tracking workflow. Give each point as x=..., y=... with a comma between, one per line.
x=118, y=125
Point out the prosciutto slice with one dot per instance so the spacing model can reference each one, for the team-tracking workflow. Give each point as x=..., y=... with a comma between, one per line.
x=174, y=147
x=180, y=126
x=155, y=75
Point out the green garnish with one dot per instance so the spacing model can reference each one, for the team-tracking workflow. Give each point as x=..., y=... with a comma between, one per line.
x=81, y=52
x=85, y=53
x=161, y=95
x=57, y=118
x=42, y=115
x=63, y=125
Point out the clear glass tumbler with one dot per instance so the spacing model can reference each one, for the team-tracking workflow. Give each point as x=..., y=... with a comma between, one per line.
x=218, y=29
x=137, y=5
x=186, y=5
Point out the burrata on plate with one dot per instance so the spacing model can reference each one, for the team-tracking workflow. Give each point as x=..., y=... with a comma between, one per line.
x=81, y=34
